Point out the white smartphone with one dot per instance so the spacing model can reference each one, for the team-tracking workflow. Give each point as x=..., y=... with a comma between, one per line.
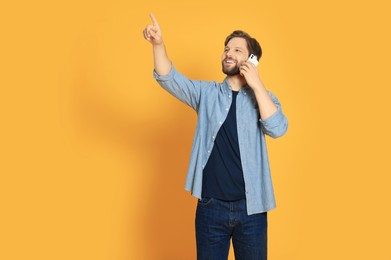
x=253, y=59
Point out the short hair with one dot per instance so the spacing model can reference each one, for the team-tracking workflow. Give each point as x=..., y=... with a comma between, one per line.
x=253, y=45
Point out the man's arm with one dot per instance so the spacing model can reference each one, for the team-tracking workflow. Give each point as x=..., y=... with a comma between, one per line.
x=153, y=34
x=265, y=103
x=186, y=90
x=274, y=122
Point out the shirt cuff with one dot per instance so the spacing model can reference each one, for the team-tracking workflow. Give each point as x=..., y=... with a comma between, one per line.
x=166, y=77
x=274, y=120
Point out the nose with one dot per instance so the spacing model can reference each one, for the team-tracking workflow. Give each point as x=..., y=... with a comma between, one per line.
x=228, y=55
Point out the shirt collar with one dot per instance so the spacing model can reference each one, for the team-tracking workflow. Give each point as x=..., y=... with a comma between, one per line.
x=227, y=88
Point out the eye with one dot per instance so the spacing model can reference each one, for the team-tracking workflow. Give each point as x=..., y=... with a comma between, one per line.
x=238, y=50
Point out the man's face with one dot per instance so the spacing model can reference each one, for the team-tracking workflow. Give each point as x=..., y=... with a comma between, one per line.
x=235, y=53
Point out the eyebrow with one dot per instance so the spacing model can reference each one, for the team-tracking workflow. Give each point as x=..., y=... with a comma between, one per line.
x=234, y=47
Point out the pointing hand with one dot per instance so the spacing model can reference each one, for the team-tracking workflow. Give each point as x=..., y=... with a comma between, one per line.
x=152, y=32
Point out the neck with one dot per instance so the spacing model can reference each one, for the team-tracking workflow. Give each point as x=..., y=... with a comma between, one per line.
x=236, y=82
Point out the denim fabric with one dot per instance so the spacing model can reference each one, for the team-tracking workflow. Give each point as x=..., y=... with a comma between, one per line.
x=218, y=221
x=212, y=100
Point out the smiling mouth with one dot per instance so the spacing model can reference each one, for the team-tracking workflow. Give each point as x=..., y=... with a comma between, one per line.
x=229, y=62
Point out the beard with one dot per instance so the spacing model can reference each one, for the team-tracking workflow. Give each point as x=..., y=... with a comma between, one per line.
x=231, y=72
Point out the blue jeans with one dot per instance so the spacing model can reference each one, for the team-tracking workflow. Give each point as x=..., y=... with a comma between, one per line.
x=218, y=221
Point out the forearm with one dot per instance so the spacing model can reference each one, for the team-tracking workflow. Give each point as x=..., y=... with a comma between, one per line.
x=161, y=61
x=265, y=103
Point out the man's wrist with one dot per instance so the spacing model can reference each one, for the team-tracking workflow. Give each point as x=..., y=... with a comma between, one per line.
x=158, y=45
x=258, y=87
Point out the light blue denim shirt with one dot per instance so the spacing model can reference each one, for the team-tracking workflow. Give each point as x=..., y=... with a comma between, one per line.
x=212, y=100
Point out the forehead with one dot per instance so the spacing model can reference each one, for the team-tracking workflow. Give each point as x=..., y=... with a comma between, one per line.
x=237, y=42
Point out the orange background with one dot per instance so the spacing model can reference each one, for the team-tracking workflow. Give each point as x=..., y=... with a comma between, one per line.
x=94, y=153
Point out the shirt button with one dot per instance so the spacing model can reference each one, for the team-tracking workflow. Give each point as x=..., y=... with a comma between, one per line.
x=229, y=96
x=220, y=123
x=226, y=109
x=208, y=151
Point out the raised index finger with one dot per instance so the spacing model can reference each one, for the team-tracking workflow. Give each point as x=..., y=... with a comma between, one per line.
x=153, y=19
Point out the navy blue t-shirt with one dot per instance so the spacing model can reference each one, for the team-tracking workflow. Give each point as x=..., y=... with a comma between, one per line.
x=223, y=174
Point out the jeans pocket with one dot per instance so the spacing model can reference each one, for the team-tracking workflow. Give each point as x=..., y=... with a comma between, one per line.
x=204, y=201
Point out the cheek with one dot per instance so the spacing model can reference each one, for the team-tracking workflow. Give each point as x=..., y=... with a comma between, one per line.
x=240, y=63
x=242, y=59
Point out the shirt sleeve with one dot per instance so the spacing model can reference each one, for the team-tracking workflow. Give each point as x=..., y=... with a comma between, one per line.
x=277, y=124
x=186, y=90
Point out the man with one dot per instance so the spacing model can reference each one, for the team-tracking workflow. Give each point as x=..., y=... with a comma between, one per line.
x=229, y=169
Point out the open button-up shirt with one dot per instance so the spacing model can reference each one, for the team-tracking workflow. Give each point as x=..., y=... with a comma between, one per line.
x=212, y=100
